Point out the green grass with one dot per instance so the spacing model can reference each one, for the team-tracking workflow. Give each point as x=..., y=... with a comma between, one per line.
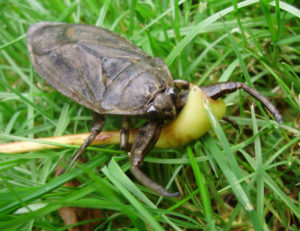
x=229, y=179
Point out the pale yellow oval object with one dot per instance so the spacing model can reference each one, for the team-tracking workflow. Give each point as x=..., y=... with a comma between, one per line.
x=192, y=122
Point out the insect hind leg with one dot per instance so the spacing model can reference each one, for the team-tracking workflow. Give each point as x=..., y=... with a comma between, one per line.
x=217, y=90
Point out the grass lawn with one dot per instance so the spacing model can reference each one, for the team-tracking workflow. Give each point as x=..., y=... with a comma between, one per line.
x=246, y=179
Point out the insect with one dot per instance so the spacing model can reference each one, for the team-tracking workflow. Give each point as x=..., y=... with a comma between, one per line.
x=109, y=75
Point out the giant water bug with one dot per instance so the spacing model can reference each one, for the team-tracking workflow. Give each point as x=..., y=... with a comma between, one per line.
x=109, y=75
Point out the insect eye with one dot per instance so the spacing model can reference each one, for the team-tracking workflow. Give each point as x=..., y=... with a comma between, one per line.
x=172, y=93
x=152, y=109
x=152, y=112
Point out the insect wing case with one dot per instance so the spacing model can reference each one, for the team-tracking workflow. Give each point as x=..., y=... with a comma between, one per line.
x=96, y=68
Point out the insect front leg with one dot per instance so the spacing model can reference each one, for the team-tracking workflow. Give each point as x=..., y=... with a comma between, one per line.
x=231, y=121
x=181, y=84
x=217, y=90
x=144, y=141
x=124, y=133
x=98, y=123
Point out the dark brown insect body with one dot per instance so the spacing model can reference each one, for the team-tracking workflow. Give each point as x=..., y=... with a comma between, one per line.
x=107, y=74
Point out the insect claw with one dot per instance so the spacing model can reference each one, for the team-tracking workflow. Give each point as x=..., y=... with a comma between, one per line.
x=219, y=89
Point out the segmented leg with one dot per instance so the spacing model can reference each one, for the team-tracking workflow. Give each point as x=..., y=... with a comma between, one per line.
x=217, y=90
x=124, y=133
x=181, y=95
x=146, y=138
x=98, y=122
x=231, y=121
x=181, y=84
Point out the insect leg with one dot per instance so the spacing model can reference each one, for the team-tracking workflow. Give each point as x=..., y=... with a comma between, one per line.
x=217, y=90
x=231, y=121
x=98, y=122
x=124, y=133
x=146, y=138
x=181, y=84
